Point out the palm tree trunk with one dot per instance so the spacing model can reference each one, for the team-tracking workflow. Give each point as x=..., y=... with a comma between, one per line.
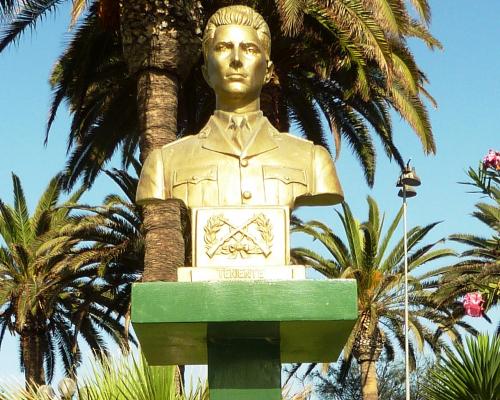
x=32, y=353
x=368, y=380
x=161, y=43
x=157, y=105
x=164, y=246
x=367, y=348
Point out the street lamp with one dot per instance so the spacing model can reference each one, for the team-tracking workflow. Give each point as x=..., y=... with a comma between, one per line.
x=407, y=180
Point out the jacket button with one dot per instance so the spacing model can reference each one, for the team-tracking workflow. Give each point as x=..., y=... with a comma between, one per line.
x=247, y=195
x=244, y=162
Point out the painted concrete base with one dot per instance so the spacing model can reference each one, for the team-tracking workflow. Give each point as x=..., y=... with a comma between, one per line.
x=243, y=330
x=309, y=319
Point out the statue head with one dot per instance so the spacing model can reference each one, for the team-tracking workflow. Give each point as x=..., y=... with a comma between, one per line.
x=237, y=15
x=236, y=50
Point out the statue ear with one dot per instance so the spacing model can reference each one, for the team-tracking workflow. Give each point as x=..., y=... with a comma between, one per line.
x=269, y=72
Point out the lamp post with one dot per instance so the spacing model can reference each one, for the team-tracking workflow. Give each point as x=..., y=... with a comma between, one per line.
x=407, y=180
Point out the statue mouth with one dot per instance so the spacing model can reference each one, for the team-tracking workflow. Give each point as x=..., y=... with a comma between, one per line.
x=236, y=76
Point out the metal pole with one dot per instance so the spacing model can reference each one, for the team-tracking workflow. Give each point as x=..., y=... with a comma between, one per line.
x=407, y=354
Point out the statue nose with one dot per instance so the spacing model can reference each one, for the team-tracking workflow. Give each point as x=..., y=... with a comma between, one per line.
x=235, y=59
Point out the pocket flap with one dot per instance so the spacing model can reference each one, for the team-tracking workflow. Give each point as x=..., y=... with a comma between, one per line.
x=195, y=174
x=285, y=175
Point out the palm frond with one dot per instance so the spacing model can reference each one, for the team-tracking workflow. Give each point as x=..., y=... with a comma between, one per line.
x=31, y=12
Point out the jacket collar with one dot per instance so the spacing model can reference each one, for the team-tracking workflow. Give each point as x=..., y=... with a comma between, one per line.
x=216, y=139
x=223, y=119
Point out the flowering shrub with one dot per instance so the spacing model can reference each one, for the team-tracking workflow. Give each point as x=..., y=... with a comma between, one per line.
x=480, y=269
x=474, y=304
x=492, y=160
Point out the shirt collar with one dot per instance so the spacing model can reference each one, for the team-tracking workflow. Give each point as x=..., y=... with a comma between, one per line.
x=216, y=138
x=223, y=119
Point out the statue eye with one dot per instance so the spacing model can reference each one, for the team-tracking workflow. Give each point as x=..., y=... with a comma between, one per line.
x=252, y=49
x=222, y=46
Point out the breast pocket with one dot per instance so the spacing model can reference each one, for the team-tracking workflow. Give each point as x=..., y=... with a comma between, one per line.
x=196, y=186
x=282, y=184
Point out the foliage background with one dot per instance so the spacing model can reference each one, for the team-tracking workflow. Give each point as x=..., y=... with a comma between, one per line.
x=463, y=79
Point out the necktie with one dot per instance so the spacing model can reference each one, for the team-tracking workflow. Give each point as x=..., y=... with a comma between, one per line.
x=238, y=125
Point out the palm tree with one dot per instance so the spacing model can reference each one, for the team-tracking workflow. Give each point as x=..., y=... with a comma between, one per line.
x=47, y=296
x=391, y=381
x=471, y=372
x=112, y=242
x=124, y=378
x=159, y=53
x=130, y=378
x=345, y=59
x=317, y=72
x=379, y=271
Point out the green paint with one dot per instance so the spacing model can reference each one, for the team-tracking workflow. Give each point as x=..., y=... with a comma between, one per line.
x=244, y=369
x=243, y=330
x=311, y=320
x=244, y=301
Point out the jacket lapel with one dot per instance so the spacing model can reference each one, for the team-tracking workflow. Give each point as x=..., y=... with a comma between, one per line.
x=263, y=141
x=215, y=140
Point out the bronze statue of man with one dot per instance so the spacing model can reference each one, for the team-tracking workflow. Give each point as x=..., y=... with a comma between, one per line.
x=239, y=158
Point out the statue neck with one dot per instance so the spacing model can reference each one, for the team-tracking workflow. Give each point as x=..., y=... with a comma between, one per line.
x=237, y=107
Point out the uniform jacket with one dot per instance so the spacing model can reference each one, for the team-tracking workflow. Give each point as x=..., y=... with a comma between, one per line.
x=207, y=170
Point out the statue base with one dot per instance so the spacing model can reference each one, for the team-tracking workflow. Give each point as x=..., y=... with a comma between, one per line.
x=243, y=330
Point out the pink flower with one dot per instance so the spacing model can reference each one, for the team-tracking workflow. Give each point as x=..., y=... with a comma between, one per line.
x=473, y=304
x=492, y=159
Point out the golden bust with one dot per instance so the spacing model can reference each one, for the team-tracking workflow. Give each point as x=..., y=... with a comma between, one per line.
x=239, y=158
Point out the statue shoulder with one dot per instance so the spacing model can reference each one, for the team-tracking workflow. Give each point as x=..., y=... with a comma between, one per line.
x=297, y=138
x=188, y=141
x=322, y=155
x=179, y=144
x=293, y=140
x=319, y=154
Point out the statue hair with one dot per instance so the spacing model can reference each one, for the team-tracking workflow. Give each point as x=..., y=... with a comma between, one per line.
x=237, y=15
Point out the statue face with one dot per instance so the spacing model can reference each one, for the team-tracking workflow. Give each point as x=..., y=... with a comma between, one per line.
x=236, y=65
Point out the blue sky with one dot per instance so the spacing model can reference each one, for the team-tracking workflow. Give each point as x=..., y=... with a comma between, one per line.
x=463, y=78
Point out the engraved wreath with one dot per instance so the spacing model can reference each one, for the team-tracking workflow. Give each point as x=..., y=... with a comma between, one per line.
x=239, y=240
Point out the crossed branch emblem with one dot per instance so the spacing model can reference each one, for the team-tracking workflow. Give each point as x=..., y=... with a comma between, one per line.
x=239, y=240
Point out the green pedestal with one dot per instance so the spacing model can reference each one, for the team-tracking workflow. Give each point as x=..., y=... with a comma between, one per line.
x=244, y=369
x=243, y=330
